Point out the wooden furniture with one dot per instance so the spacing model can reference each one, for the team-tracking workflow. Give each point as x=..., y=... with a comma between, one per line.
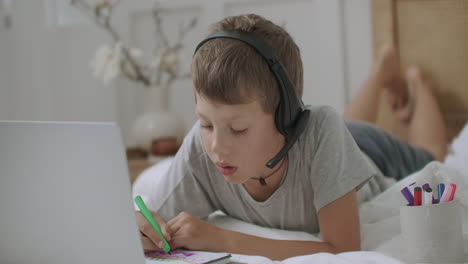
x=432, y=34
x=138, y=161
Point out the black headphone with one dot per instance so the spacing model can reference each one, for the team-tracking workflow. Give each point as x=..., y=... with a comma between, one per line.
x=291, y=115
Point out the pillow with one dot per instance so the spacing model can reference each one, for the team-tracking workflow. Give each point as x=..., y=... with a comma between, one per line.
x=458, y=151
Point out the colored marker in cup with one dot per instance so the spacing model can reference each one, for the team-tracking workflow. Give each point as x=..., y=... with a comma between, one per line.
x=440, y=190
x=408, y=196
x=417, y=196
x=428, y=196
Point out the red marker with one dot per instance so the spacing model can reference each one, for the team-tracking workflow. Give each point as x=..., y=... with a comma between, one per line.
x=417, y=196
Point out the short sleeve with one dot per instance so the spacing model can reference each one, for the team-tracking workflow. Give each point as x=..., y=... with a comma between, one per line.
x=338, y=166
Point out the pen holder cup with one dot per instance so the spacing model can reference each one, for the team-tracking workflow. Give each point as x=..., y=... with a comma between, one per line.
x=433, y=233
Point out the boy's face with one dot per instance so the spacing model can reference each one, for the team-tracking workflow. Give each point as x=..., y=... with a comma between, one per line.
x=239, y=139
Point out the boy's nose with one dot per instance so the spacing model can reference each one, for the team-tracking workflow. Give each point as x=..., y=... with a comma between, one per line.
x=220, y=146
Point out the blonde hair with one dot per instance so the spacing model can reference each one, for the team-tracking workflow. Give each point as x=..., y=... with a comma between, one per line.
x=231, y=72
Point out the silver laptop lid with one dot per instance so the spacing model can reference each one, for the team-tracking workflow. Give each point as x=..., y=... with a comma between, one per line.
x=65, y=195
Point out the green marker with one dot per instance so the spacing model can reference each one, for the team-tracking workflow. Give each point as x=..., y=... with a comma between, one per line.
x=147, y=214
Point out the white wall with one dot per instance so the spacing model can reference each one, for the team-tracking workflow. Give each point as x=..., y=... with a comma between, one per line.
x=357, y=43
x=45, y=74
x=5, y=47
x=48, y=69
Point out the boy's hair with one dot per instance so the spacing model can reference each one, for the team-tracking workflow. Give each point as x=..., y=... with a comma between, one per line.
x=231, y=72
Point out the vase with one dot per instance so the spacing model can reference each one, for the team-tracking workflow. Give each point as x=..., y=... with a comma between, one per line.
x=156, y=122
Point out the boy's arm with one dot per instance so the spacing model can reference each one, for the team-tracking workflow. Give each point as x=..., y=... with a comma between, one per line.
x=339, y=224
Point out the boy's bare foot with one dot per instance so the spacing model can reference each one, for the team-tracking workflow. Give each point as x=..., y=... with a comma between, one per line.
x=387, y=73
x=427, y=127
x=415, y=81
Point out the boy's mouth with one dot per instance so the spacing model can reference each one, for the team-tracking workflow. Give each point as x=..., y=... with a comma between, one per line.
x=226, y=169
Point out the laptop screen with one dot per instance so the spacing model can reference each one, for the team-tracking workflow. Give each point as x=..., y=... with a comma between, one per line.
x=65, y=195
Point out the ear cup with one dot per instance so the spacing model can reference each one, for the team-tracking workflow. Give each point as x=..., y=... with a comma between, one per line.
x=279, y=122
x=289, y=106
x=301, y=124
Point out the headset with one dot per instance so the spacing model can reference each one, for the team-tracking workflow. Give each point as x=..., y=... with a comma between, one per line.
x=291, y=116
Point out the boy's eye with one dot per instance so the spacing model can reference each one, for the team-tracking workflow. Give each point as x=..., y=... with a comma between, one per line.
x=206, y=126
x=238, y=132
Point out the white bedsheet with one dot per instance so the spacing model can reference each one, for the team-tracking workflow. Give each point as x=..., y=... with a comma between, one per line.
x=380, y=221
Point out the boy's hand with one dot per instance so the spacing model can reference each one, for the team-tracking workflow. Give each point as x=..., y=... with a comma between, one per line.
x=192, y=233
x=149, y=238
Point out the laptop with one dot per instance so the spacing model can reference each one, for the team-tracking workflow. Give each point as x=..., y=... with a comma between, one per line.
x=65, y=195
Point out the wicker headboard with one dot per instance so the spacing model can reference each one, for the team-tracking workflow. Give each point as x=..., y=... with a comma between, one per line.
x=432, y=34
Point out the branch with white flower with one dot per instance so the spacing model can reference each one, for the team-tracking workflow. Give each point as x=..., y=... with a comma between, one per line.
x=120, y=59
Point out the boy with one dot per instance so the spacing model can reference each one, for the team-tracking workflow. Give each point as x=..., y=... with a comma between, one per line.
x=222, y=162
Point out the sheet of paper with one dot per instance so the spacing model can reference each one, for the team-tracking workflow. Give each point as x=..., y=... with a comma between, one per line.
x=182, y=256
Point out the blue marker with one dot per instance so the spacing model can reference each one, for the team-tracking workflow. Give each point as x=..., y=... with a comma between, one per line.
x=440, y=189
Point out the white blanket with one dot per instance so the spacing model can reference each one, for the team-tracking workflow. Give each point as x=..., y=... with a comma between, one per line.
x=380, y=220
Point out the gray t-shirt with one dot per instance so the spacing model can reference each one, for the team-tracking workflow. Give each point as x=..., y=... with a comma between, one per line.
x=324, y=164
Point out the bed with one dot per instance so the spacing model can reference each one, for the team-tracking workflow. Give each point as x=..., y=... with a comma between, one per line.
x=380, y=220
x=406, y=24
